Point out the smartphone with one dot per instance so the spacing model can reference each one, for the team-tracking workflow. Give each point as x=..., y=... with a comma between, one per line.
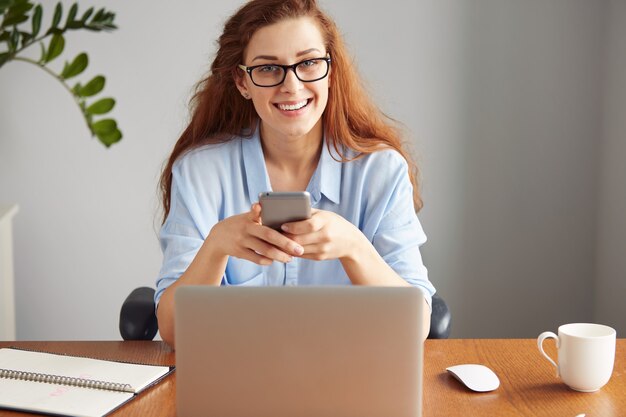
x=278, y=208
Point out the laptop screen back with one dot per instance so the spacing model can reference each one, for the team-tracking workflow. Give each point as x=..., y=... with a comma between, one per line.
x=299, y=351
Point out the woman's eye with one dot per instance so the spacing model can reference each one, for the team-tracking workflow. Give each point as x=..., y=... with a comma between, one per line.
x=308, y=63
x=267, y=68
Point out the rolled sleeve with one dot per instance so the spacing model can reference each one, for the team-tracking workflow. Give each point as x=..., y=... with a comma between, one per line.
x=399, y=234
x=180, y=241
x=399, y=248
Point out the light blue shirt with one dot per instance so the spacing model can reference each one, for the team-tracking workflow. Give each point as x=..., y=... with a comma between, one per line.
x=217, y=181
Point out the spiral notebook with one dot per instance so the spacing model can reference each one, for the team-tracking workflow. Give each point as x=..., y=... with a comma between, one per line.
x=70, y=385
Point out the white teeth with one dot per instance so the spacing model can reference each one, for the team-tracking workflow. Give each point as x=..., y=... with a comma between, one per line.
x=296, y=106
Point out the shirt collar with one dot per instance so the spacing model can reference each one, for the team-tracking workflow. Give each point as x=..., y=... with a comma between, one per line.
x=256, y=173
x=326, y=179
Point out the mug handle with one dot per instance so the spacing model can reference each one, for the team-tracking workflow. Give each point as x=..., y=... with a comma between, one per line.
x=547, y=335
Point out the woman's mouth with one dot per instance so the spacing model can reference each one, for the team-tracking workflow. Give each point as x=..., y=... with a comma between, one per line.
x=293, y=106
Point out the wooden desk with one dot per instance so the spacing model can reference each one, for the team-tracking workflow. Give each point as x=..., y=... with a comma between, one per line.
x=528, y=383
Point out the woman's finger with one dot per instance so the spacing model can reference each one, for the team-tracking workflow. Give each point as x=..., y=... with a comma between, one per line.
x=255, y=213
x=268, y=251
x=317, y=252
x=316, y=222
x=308, y=238
x=252, y=256
x=276, y=239
x=317, y=248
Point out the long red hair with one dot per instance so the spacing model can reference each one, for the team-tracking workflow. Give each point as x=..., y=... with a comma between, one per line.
x=219, y=113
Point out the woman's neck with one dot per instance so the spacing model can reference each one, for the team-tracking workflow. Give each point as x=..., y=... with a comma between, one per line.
x=291, y=160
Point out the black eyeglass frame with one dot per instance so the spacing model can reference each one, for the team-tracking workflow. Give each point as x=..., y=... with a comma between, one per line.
x=287, y=68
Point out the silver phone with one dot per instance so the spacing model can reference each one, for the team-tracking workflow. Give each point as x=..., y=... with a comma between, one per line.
x=278, y=208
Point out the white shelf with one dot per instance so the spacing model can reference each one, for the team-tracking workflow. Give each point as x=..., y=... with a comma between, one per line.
x=7, y=281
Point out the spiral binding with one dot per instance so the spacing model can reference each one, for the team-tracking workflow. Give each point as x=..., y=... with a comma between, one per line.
x=65, y=380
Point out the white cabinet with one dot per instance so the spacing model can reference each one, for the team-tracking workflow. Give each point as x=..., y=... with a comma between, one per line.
x=7, y=281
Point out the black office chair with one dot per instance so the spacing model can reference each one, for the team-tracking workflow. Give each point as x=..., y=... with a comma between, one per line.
x=138, y=320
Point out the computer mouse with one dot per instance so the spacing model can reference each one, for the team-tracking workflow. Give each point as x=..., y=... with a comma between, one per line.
x=478, y=378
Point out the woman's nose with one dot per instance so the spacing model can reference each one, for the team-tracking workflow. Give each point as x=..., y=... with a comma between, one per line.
x=291, y=83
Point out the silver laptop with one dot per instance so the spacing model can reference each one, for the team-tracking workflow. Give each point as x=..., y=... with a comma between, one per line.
x=298, y=351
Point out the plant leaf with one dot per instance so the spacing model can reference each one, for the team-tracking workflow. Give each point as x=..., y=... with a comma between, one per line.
x=5, y=4
x=4, y=57
x=13, y=41
x=43, y=52
x=103, y=20
x=77, y=66
x=16, y=13
x=57, y=44
x=19, y=7
x=26, y=37
x=98, y=15
x=58, y=13
x=75, y=24
x=37, y=20
x=104, y=126
x=92, y=87
x=14, y=20
x=86, y=15
x=110, y=138
x=102, y=106
x=71, y=14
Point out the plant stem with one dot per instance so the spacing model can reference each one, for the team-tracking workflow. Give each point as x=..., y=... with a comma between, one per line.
x=61, y=80
x=31, y=42
x=13, y=54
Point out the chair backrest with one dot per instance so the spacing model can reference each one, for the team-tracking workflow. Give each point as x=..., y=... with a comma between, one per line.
x=138, y=316
x=440, y=319
x=138, y=319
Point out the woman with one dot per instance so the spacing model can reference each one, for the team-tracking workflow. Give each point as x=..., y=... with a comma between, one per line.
x=283, y=110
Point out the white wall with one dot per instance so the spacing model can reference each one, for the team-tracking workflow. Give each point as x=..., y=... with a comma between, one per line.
x=611, y=262
x=532, y=75
x=85, y=236
x=503, y=98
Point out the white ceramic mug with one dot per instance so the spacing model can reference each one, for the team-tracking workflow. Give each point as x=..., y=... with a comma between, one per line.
x=586, y=354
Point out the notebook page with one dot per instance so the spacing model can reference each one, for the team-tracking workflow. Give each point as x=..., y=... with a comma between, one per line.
x=137, y=376
x=59, y=399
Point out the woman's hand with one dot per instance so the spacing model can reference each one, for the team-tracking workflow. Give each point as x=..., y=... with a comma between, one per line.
x=243, y=236
x=326, y=235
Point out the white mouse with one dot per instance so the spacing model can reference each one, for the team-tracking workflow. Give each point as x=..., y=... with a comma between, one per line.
x=478, y=378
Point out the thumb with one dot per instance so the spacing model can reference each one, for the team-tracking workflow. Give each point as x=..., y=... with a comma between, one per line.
x=255, y=213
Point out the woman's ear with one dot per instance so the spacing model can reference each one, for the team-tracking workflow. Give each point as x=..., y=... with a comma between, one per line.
x=242, y=84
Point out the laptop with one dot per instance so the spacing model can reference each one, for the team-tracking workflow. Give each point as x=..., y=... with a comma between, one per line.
x=298, y=351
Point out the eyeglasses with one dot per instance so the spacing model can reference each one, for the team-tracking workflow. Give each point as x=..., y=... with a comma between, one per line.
x=271, y=75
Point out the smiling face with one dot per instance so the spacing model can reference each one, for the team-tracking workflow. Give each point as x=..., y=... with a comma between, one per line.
x=294, y=108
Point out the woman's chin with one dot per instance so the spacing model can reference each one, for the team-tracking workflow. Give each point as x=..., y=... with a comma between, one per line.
x=294, y=129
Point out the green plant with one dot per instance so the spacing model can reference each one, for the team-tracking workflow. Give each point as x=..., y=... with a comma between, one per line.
x=16, y=34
